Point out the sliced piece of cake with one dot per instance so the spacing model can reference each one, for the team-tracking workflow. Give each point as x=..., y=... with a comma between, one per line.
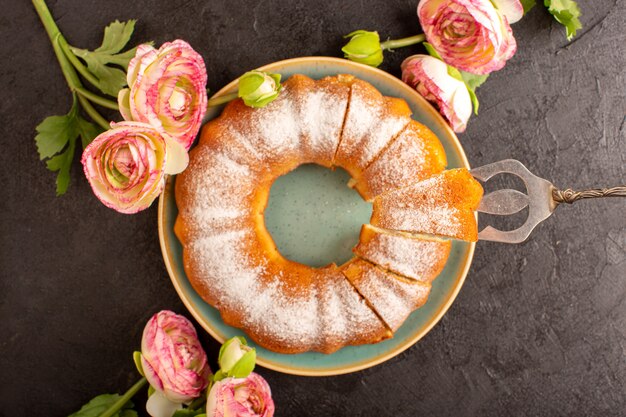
x=414, y=155
x=441, y=205
x=345, y=318
x=419, y=257
x=320, y=107
x=392, y=297
x=371, y=122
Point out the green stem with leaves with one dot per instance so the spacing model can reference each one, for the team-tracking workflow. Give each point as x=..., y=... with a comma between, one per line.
x=401, y=43
x=117, y=405
x=69, y=72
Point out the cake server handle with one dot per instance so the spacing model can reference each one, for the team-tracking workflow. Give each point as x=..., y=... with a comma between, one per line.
x=542, y=199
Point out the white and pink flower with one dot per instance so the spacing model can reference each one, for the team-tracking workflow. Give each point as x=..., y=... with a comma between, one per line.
x=429, y=77
x=172, y=358
x=240, y=397
x=471, y=35
x=126, y=166
x=167, y=89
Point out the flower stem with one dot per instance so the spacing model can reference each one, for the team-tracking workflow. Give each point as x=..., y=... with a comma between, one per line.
x=93, y=113
x=117, y=405
x=71, y=77
x=76, y=62
x=53, y=33
x=95, y=98
x=216, y=101
x=400, y=43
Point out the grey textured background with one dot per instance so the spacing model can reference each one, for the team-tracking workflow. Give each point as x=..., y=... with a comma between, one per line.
x=538, y=329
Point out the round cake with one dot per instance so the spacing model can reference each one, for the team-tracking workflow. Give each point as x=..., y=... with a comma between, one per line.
x=394, y=161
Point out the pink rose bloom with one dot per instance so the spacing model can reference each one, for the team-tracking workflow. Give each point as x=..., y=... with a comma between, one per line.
x=167, y=89
x=240, y=397
x=126, y=165
x=429, y=76
x=172, y=359
x=471, y=35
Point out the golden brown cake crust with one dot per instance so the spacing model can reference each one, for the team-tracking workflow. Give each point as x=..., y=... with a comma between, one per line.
x=231, y=260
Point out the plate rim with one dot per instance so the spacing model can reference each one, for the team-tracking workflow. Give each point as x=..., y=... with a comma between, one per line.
x=467, y=261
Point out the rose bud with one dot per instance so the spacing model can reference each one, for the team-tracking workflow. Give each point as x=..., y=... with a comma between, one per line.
x=429, y=76
x=240, y=397
x=173, y=362
x=364, y=47
x=258, y=88
x=471, y=35
x=126, y=165
x=166, y=88
x=236, y=358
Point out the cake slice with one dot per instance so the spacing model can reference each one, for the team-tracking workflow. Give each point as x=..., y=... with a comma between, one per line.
x=441, y=205
x=419, y=257
x=392, y=297
x=320, y=107
x=226, y=191
x=345, y=318
x=415, y=154
x=271, y=134
x=371, y=122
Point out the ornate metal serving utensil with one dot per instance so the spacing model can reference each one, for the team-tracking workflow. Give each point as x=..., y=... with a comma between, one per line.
x=542, y=199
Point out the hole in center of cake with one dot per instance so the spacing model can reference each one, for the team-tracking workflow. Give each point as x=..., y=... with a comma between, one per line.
x=314, y=217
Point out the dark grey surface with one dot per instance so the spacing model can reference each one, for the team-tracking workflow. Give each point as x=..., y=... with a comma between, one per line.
x=538, y=329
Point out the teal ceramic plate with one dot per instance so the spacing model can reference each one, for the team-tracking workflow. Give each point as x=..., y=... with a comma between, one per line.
x=351, y=358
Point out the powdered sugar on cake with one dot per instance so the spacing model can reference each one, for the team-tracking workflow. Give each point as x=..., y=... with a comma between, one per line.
x=321, y=115
x=401, y=161
x=416, y=257
x=393, y=297
x=236, y=279
x=371, y=123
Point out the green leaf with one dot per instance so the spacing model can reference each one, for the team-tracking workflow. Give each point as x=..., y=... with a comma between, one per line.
x=566, y=12
x=101, y=403
x=116, y=36
x=110, y=79
x=474, y=100
x=473, y=81
x=431, y=50
x=150, y=390
x=54, y=132
x=528, y=4
x=56, y=140
x=454, y=73
x=137, y=360
x=244, y=365
x=87, y=131
x=63, y=163
x=219, y=375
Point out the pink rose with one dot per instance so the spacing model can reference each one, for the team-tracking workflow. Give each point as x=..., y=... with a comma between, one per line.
x=471, y=35
x=172, y=359
x=126, y=165
x=429, y=76
x=167, y=89
x=240, y=397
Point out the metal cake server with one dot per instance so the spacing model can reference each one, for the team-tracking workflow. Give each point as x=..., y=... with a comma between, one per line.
x=542, y=199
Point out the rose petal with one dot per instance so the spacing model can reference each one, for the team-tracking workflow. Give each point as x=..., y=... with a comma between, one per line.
x=511, y=9
x=159, y=406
